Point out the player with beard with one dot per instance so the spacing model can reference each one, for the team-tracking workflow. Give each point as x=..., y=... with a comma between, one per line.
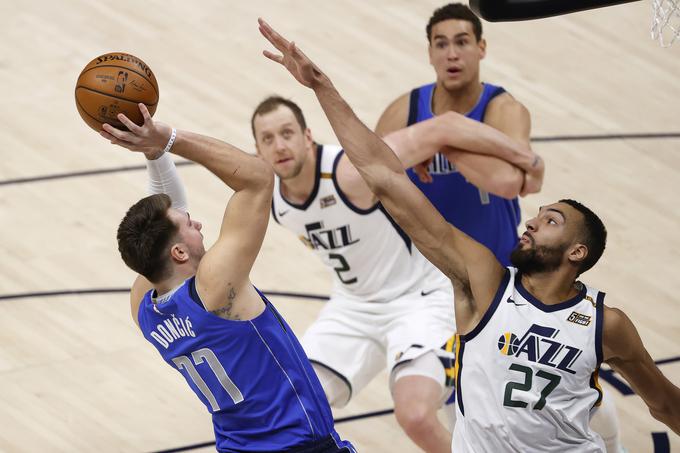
x=530, y=339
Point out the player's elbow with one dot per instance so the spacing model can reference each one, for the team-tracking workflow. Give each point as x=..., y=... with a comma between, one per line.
x=262, y=175
x=667, y=409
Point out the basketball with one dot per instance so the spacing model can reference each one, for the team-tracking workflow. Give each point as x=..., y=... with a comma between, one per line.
x=115, y=83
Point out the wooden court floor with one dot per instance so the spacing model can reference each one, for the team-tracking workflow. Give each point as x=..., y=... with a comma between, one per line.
x=76, y=375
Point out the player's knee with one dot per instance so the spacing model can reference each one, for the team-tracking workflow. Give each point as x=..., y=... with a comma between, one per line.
x=415, y=416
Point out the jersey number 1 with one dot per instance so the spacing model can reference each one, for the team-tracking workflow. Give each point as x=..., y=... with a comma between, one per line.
x=216, y=367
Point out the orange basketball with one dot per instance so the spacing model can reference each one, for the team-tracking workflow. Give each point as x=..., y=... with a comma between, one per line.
x=115, y=83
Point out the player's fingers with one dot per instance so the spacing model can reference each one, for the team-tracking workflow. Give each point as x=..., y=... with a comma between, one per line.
x=272, y=35
x=117, y=133
x=145, y=113
x=129, y=124
x=273, y=56
x=114, y=140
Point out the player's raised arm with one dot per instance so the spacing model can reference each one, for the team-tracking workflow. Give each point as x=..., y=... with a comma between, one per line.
x=222, y=277
x=624, y=351
x=456, y=254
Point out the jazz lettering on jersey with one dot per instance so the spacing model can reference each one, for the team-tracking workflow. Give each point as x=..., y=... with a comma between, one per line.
x=172, y=329
x=539, y=345
x=328, y=239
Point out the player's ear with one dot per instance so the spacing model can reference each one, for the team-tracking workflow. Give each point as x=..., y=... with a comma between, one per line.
x=308, y=137
x=577, y=253
x=179, y=253
x=482, y=48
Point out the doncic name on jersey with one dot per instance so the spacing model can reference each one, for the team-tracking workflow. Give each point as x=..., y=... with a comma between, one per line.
x=171, y=330
x=539, y=345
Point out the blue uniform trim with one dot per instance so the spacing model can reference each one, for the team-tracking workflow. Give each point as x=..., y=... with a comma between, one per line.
x=194, y=294
x=413, y=107
x=599, y=325
x=548, y=308
x=599, y=319
x=276, y=219
x=459, y=377
x=342, y=195
x=402, y=233
x=489, y=311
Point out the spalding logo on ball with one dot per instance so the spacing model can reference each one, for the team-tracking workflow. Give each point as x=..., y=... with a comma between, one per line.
x=115, y=83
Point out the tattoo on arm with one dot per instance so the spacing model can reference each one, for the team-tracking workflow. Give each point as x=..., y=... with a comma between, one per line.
x=226, y=311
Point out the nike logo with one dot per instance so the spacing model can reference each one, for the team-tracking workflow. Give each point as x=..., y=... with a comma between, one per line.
x=282, y=213
x=427, y=293
x=510, y=301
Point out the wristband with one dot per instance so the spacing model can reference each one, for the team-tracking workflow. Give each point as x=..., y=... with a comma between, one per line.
x=171, y=142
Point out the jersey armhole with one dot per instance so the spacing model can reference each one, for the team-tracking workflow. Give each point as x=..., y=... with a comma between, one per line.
x=342, y=195
x=413, y=107
x=599, y=326
x=193, y=293
x=489, y=311
x=494, y=92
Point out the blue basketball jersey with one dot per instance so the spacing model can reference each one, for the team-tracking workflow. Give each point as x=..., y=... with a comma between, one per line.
x=489, y=219
x=253, y=376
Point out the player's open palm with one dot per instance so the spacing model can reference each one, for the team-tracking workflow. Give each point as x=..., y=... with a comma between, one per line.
x=297, y=63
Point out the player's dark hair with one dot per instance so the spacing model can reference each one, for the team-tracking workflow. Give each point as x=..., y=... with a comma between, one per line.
x=454, y=11
x=593, y=234
x=144, y=235
x=272, y=103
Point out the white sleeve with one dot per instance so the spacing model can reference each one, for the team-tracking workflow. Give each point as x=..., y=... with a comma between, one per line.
x=163, y=178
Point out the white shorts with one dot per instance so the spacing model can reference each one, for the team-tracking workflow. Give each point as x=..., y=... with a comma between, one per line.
x=356, y=340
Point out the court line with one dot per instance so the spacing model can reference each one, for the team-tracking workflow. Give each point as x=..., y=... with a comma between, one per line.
x=547, y=139
x=337, y=421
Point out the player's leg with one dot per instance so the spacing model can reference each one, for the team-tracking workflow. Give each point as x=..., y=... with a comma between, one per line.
x=418, y=392
x=420, y=326
x=342, y=350
x=605, y=422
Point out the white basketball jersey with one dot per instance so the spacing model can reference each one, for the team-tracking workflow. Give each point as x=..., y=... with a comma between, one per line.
x=373, y=259
x=526, y=376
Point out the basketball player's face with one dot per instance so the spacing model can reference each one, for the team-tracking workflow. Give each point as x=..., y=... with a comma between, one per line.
x=189, y=233
x=455, y=53
x=281, y=142
x=545, y=245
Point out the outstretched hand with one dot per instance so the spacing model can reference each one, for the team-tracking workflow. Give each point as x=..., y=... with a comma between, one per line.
x=292, y=58
x=150, y=138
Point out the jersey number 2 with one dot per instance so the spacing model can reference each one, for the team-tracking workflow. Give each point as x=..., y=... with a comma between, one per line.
x=342, y=267
x=553, y=381
x=216, y=367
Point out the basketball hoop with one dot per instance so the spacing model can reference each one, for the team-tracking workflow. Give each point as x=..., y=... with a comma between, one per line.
x=665, y=21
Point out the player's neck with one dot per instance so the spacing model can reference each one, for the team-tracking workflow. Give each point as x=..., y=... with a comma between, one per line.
x=461, y=100
x=551, y=288
x=178, y=277
x=298, y=189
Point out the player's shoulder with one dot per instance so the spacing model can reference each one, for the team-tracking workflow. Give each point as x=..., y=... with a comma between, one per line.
x=619, y=334
x=506, y=104
x=395, y=115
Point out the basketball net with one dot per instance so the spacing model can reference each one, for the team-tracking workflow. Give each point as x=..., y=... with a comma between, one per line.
x=666, y=21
